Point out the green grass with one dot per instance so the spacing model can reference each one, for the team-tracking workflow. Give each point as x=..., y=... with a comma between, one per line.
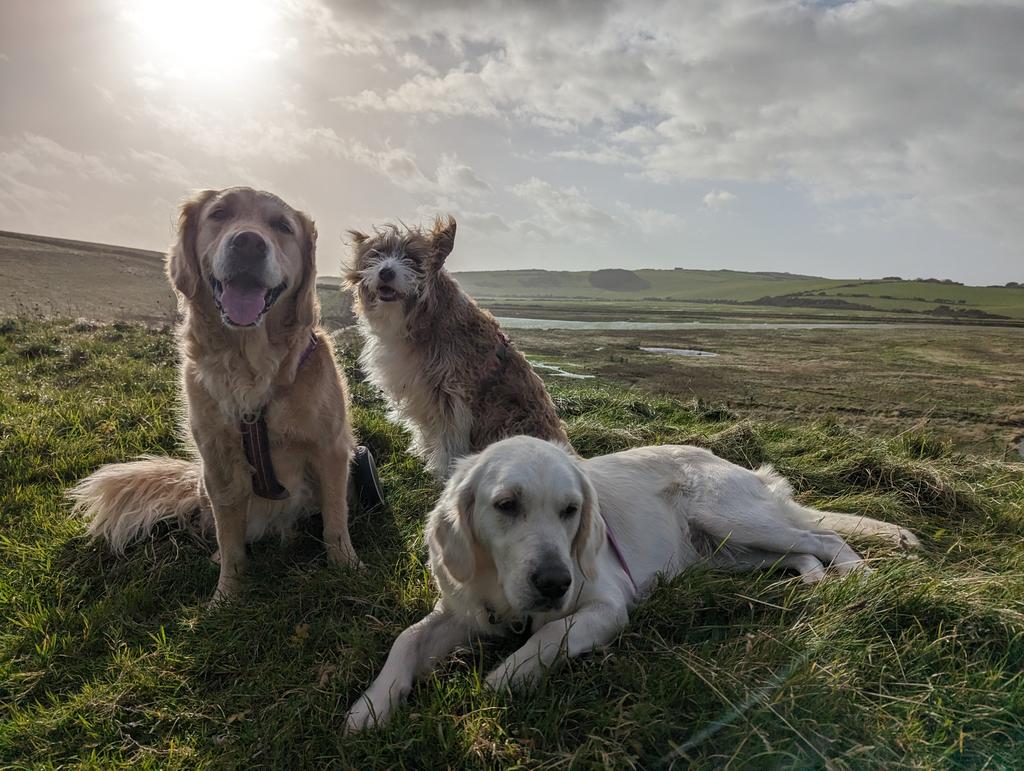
x=109, y=662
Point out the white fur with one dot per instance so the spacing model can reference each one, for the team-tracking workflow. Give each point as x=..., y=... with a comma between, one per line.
x=669, y=508
x=391, y=364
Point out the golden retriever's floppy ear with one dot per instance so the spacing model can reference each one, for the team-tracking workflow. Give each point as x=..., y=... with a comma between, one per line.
x=442, y=239
x=591, y=533
x=307, y=306
x=449, y=530
x=182, y=260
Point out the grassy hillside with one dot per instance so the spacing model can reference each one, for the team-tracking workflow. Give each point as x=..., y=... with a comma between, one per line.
x=730, y=292
x=109, y=662
x=54, y=276
x=47, y=276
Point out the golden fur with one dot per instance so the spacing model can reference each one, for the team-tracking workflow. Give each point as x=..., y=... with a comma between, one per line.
x=452, y=376
x=230, y=371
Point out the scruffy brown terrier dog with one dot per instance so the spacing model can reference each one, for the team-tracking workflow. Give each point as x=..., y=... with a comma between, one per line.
x=266, y=406
x=452, y=376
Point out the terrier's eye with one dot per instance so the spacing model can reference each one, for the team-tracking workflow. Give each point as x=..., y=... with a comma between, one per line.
x=506, y=505
x=219, y=215
x=283, y=226
x=570, y=510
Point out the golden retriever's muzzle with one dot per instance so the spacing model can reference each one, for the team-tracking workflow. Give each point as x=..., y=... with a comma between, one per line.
x=242, y=293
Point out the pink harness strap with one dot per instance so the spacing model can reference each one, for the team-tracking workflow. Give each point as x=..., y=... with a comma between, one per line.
x=618, y=553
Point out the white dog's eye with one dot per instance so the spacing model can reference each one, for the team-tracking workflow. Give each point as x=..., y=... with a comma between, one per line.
x=219, y=214
x=506, y=505
x=283, y=226
x=570, y=510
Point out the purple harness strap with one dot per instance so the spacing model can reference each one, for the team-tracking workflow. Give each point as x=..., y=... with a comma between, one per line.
x=256, y=443
x=618, y=553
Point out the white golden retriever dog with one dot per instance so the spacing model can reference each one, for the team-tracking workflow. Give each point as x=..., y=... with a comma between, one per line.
x=527, y=536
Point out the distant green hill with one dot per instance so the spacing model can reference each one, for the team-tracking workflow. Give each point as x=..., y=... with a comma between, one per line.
x=43, y=276
x=720, y=288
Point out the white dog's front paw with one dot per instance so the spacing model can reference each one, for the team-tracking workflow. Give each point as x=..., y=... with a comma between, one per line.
x=365, y=713
x=509, y=675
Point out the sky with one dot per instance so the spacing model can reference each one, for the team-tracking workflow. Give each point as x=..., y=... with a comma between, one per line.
x=854, y=139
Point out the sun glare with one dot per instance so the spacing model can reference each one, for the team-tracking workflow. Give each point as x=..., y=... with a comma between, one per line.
x=212, y=40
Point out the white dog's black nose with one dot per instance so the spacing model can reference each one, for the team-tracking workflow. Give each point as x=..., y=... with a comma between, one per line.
x=386, y=274
x=248, y=245
x=552, y=581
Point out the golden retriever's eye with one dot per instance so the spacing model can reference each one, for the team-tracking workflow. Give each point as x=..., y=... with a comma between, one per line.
x=283, y=226
x=506, y=505
x=570, y=511
x=219, y=215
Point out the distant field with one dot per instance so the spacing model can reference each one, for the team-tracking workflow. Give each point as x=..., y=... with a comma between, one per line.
x=738, y=294
x=43, y=276
x=961, y=384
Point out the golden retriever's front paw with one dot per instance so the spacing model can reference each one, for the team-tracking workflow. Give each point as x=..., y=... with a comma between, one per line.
x=345, y=556
x=227, y=590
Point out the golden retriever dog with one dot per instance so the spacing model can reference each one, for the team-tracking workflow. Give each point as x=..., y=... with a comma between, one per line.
x=526, y=536
x=265, y=404
x=453, y=378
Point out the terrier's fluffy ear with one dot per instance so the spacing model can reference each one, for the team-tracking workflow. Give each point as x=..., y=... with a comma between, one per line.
x=442, y=238
x=591, y=533
x=182, y=260
x=348, y=270
x=449, y=530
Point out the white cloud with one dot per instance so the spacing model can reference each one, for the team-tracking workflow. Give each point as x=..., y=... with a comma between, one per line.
x=717, y=200
x=898, y=99
x=455, y=177
x=651, y=221
x=35, y=155
x=562, y=209
x=163, y=168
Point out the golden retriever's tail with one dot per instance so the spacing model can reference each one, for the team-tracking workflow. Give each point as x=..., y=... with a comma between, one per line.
x=844, y=524
x=122, y=502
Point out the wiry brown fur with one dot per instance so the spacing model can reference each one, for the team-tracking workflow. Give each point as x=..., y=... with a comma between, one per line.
x=449, y=371
x=227, y=373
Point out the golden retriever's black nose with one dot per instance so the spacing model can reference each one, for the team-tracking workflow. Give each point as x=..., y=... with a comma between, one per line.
x=386, y=274
x=552, y=581
x=248, y=245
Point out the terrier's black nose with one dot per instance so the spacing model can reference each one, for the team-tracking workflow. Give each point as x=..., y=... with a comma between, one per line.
x=552, y=581
x=249, y=245
x=386, y=274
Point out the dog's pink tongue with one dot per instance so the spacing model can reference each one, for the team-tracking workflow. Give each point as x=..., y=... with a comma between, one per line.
x=242, y=304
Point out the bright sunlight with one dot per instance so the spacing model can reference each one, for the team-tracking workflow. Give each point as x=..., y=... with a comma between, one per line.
x=203, y=40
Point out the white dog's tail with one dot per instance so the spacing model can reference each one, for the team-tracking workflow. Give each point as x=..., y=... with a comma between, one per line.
x=124, y=501
x=844, y=524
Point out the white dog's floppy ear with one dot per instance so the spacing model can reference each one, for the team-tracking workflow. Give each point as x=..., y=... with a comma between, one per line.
x=442, y=239
x=182, y=260
x=591, y=533
x=450, y=528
